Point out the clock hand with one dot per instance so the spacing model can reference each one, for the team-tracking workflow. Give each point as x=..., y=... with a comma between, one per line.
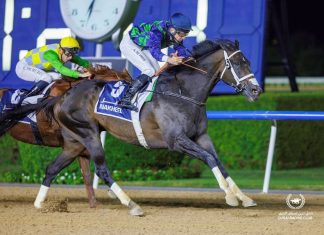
x=90, y=8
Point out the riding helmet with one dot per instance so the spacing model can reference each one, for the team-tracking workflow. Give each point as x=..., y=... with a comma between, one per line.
x=181, y=22
x=70, y=44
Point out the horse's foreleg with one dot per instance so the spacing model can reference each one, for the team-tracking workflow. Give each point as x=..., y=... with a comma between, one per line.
x=183, y=143
x=246, y=201
x=225, y=181
x=97, y=154
x=85, y=169
x=62, y=161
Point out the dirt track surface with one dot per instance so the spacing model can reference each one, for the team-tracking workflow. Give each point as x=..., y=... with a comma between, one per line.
x=165, y=213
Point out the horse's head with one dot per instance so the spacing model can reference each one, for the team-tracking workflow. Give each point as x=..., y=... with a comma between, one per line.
x=227, y=62
x=237, y=71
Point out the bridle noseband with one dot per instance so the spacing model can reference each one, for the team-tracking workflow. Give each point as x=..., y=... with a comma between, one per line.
x=229, y=66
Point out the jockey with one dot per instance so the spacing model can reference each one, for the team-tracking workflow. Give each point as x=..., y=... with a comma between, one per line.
x=142, y=47
x=45, y=64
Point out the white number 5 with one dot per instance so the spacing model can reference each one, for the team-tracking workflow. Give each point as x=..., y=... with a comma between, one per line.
x=118, y=88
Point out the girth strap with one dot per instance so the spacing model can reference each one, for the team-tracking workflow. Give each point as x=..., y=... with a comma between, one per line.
x=36, y=133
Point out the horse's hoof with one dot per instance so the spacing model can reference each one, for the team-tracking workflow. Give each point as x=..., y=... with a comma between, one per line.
x=92, y=204
x=249, y=203
x=38, y=205
x=231, y=200
x=135, y=209
x=111, y=194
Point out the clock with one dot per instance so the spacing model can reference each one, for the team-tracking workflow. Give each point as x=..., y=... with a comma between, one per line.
x=98, y=20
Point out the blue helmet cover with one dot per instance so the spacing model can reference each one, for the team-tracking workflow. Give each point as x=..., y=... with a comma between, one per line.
x=181, y=22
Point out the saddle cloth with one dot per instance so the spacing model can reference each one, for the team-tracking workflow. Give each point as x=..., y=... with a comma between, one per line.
x=112, y=93
x=9, y=101
x=11, y=98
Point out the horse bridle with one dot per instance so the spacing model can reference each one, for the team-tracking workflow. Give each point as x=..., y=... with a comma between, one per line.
x=239, y=87
x=229, y=66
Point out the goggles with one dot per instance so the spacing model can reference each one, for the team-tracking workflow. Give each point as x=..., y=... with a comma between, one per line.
x=182, y=34
x=70, y=51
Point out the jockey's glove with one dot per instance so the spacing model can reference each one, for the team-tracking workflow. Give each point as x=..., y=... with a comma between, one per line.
x=175, y=60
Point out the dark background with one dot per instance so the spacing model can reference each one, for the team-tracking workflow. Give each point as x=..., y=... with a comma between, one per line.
x=305, y=38
x=306, y=17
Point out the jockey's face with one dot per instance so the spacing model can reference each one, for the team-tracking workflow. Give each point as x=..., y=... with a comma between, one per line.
x=178, y=35
x=65, y=56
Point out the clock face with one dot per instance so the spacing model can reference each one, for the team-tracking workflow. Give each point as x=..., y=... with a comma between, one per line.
x=93, y=19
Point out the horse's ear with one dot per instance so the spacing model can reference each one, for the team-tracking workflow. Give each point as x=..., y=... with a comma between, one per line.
x=237, y=44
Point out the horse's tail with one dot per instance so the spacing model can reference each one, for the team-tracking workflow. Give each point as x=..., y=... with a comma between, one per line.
x=11, y=117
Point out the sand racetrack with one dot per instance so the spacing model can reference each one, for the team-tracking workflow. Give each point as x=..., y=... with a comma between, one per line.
x=165, y=213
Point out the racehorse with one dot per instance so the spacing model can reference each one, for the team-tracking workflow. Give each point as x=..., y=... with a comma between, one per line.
x=49, y=134
x=175, y=119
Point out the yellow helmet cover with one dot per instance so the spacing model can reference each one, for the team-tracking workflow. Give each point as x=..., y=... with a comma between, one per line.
x=69, y=42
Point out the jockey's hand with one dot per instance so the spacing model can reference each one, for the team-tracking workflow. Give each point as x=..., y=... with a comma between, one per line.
x=189, y=59
x=84, y=75
x=175, y=60
x=81, y=69
x=174, y=54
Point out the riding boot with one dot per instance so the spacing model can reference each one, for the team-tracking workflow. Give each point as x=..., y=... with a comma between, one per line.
x=35, y=90
x=137, y=85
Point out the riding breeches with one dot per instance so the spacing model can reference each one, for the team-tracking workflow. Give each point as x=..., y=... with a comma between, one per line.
x=142, y=59
x=33, y=74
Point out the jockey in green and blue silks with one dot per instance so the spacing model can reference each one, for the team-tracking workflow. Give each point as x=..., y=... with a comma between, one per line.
x=142, y=47
x=155, y=37
x=45, y=64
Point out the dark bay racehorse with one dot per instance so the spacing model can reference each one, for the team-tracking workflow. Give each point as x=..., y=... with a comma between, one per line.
x=175, y=119
x=49, y=134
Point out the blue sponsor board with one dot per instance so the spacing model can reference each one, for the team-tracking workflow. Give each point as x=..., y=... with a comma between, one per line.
x=31, y=23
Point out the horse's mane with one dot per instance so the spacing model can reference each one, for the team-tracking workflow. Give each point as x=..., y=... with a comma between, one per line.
x=99, y=72
x=102, y=72
x=208, y=46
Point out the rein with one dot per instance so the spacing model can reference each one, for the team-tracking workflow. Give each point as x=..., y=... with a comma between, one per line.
x=169, y=93
x=193, y=67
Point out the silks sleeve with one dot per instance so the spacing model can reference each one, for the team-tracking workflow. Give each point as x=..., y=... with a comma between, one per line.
x=53, y=58
x=154, y=46
x=181, y=50
x=78, y=60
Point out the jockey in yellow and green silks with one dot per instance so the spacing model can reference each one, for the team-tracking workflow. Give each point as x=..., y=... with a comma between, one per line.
x=46, y=64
